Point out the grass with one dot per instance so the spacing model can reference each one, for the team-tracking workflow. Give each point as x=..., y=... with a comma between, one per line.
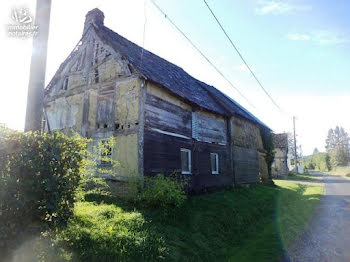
x=302, y=177
x=342, y=171
x=295, y=204
x=241, y=224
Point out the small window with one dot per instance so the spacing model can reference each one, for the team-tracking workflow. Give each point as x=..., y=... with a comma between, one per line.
x=105, y=153
x=65, y=84
x=97, y=78
x=185, y=161
x=214, y=161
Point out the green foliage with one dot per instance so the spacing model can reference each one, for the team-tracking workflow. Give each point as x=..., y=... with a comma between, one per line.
x=267, y=139
x=99, y=158
x=162, y=191
x=338, y=157
x=338, y=138
x=38, y=178
x=319, y=161
x=106, y=232
x=231, y=225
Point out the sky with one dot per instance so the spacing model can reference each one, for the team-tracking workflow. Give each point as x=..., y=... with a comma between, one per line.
x=299, y=50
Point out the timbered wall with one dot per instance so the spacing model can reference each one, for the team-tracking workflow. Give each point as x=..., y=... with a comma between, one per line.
x=169, y=127
x=96, y=94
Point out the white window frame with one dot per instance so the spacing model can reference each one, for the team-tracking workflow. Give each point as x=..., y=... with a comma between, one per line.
x=215, y=172
x=188, y=151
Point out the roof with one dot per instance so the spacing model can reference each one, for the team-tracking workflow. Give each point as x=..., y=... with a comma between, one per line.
x=171, y=77
x=174, y=78
x=280, y=140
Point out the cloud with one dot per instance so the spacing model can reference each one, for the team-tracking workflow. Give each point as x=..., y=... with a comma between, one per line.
x=321, y=37
x=279, y=8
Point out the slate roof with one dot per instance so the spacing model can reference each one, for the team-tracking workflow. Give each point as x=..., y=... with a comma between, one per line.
x=280, y=140
x=170, y=76
x=174, y=78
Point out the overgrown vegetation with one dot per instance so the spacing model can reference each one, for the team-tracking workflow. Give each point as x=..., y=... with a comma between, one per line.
x=318, y=161
x=267, y=139
x=232, y=225
x=45, y=170
x=162, y=192
x=38, y=178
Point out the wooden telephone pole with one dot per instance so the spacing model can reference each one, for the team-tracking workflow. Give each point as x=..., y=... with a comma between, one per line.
x=38, y=67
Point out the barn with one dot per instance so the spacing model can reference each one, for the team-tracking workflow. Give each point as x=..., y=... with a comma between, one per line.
x=163, y=119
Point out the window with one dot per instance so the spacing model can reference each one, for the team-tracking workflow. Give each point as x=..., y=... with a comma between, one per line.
x=185, y=161
x=105, y=153
x=65, y=84
x=214, y=161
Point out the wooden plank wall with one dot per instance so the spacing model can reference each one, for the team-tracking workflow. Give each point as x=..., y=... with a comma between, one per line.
x=246, y=164
x=168, y=128
x=162, y=155
x=166, y=116
x=209, y=128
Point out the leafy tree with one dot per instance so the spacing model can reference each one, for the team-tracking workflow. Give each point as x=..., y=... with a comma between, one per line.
x=315, y=151
x=337, y=144
x=338, y=157
x=319, y=161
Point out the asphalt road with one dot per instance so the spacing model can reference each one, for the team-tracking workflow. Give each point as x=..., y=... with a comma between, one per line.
x=327, y=236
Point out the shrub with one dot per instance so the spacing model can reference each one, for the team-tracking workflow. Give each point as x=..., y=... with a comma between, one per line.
x=338, y=157
x=267, y=139
x=38, y=177
x=162, y=191
x=319, y=161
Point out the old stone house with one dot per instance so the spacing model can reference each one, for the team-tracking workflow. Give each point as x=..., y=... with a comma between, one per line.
x=163, y=119
x=280, y=165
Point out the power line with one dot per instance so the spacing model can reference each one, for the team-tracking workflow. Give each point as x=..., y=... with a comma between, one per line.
x=202, y=54
x=240, y=55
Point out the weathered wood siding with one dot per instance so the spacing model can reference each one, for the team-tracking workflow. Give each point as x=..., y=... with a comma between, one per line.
x=166, y=116
x=246, y=163
x=162, y=155
x=209, y=127
x=169, y=127
x=246, y=142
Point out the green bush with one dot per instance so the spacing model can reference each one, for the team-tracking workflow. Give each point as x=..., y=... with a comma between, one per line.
x=319, y=161
x=338, y=157
x=161, y=191
x=39, y=174
x=267, y=139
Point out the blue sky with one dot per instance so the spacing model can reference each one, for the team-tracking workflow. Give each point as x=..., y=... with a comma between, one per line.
x=300, y=50
x=298, y=46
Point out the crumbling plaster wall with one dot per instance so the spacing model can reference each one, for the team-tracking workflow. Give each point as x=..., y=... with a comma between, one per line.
x=113, y=93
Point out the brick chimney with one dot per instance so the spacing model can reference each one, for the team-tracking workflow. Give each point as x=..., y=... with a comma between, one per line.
x=95, y=17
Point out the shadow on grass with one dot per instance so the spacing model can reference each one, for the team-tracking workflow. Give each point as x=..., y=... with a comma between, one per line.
x=242, y=224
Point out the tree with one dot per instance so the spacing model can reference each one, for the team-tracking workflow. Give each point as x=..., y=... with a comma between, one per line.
x=337, y=145
x=315, y=151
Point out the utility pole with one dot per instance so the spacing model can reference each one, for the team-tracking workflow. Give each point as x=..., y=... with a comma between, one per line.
x=38, y=67
x=295, y=148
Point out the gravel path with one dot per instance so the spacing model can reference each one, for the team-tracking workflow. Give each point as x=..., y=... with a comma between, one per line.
x=327, y=236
